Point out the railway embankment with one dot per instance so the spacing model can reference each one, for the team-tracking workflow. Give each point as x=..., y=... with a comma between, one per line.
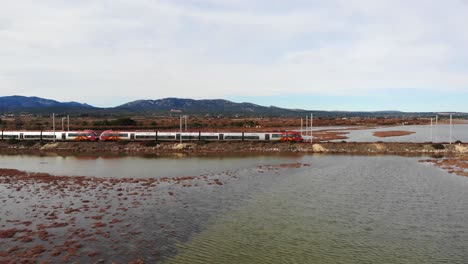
x=201, y=148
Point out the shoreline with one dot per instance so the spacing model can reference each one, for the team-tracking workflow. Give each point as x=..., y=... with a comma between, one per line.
x=214, y=148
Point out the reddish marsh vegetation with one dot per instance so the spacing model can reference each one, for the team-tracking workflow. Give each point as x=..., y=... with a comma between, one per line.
x=396, y=133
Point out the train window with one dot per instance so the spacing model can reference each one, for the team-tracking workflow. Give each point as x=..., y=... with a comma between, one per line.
x=72, y=134
x=276, y=135
x=251, y=137
x=189, y=137
x=48, y=136
x=122, y=135
x=233, y=137
x=32, y=136
x=10, y=136
x=236, y=137
x=144, y=137
x=165, y=137
x=208, y=137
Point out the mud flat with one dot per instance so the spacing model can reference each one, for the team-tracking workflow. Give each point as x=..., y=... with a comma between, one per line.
x=457, y=165
x=202, y=148
x=396, y=133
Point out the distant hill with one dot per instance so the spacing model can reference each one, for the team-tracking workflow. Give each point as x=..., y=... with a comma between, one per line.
x=178, y=106
x=212, y=107
x=215, y=107
x=32, y=104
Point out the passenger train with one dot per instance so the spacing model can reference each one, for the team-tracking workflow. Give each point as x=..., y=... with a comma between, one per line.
x=110, y=135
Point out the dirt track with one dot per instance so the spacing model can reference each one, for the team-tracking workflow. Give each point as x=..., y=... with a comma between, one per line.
x=201, y=148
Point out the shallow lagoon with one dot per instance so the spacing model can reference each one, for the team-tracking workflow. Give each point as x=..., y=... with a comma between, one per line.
x=340, y=209
x=440, y=133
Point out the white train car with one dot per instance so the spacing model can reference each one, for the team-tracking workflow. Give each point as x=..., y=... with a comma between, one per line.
x=50, y=135
x=85, y=135
x=11, y=135
x=166, y=136
x=141, y=136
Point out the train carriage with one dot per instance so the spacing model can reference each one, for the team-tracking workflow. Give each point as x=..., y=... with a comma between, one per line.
x=233, y=136
x=50, y=135
x=10, y=135
x=167, y=136
x=84, y=135
x=256, y=136
x=110, y=135
x=208, y=136
x=145, y=135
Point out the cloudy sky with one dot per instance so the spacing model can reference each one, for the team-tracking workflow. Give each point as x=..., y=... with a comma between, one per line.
x=312, y=54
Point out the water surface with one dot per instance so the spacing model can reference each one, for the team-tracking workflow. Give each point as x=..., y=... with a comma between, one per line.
x=340, y=209
x=423, y=133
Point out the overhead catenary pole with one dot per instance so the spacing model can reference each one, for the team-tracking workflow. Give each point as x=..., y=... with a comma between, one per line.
x=68, y=123
x=436, y=127
x=450, y=128
x=63, y=118
x=53, y=125
x=180, y=129
x=311, y=125
x=301, y=127
x=431, y=129
x=185, y=123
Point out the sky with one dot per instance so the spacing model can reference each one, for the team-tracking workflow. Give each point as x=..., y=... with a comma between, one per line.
x=354, y=55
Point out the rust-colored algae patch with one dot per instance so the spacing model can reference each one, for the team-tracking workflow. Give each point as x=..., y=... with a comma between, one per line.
x=457, y=165
x=48, y=229
x=330, y=135
x=394, y=133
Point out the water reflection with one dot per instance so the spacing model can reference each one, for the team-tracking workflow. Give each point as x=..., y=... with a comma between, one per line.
x=135, y=166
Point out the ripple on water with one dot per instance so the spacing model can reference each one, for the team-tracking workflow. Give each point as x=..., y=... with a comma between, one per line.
x=361, y=210
x=342, y=209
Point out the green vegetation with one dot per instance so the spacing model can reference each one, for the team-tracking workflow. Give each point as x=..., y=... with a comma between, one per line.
x=197, y=125
x=438, y=146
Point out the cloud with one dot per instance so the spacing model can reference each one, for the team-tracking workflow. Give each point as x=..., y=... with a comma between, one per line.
x=95, y=50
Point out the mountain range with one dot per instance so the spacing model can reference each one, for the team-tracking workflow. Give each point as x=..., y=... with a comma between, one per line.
x=31, y=104
x=174, y=106
x=203, y=107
